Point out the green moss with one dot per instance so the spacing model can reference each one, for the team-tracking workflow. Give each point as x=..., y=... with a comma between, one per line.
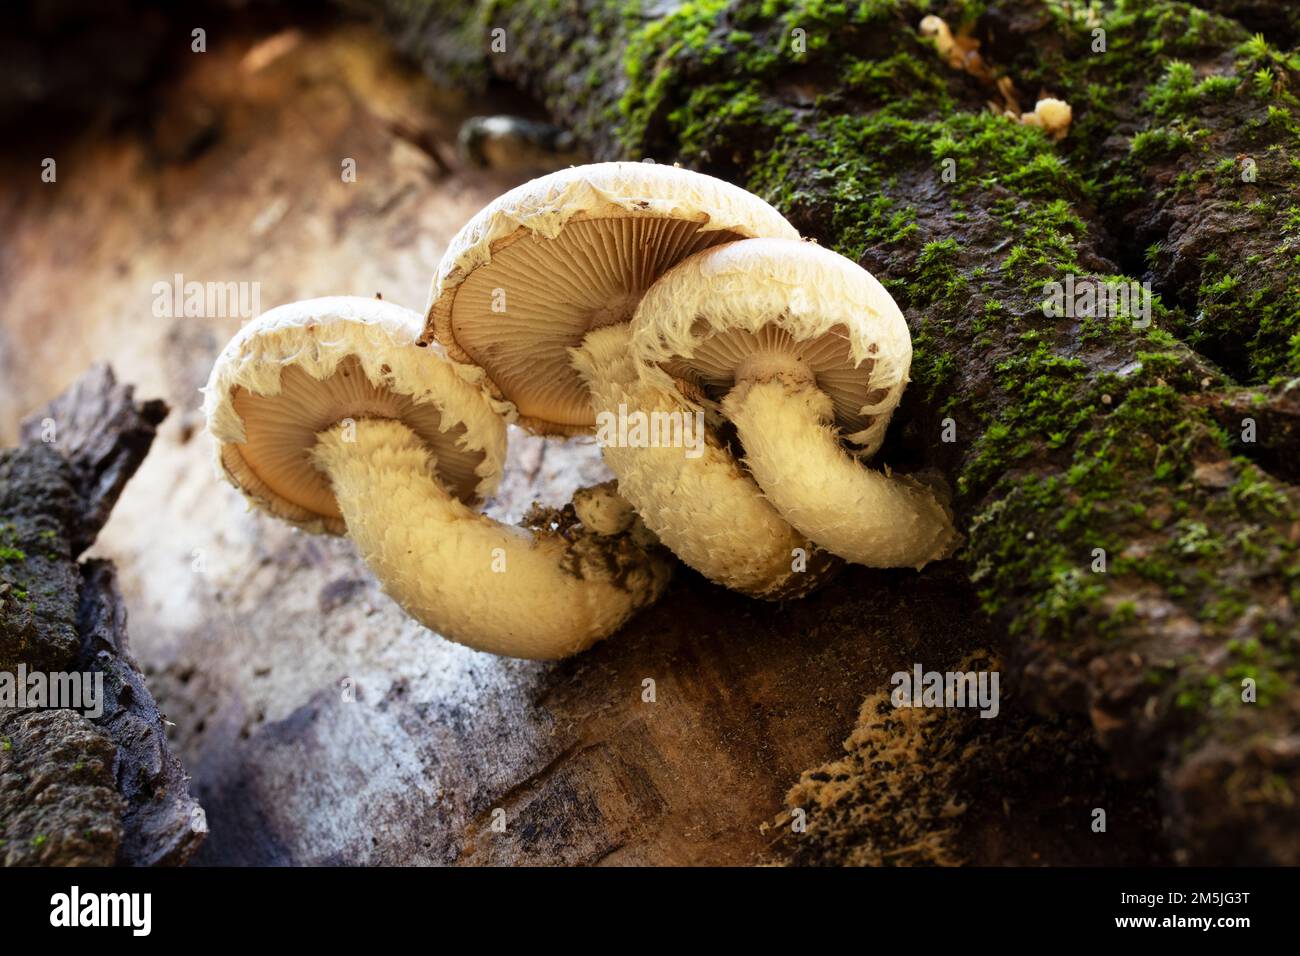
x=1178, y=93
x=720, y=111
x=1096, y=504
x=937, y=275
x=1047, y=406
x=991, y=151
x=1254, y=495
x=1160, y=142
x=650, y=60
x=1223, y=692
x=1257, y=53
x=1205, y=103
x=1194, y=539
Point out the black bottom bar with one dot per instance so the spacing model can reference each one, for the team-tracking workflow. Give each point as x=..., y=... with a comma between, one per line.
x=210, y=906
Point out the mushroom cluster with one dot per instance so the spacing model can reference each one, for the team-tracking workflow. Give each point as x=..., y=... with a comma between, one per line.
x=628, y=290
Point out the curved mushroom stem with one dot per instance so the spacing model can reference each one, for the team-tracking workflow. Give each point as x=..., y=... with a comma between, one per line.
x=698, y=500
x=863, y=515
x=493, y=587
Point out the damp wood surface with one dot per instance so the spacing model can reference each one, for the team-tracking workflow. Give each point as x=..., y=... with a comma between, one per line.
x=320, y=725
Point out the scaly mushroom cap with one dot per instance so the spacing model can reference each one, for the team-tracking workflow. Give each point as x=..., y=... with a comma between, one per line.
x=529, y=276
x=762, y=305
x=302, y=368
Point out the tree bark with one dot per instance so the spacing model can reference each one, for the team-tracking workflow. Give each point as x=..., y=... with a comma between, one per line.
x=75, y=789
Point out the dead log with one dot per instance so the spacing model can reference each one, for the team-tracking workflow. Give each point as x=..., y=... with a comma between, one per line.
x=322, y=726
x=673, y=742
x=80, y=789
x=1145, y=570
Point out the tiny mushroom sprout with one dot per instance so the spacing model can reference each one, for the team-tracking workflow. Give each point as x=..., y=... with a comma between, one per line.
x=1051, y=115
x=535, y=294
x=328, y=416
x=800, y=346
x=961, y=51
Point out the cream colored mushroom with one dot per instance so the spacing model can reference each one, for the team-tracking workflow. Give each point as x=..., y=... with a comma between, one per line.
x=327, y=415
x=526, y=293
x=1053, y=116
x=800, y=347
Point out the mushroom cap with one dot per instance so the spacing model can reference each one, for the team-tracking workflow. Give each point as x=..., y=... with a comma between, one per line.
x=538, y=268
x=1054, y=115
x=303, y=368
x=762, y=306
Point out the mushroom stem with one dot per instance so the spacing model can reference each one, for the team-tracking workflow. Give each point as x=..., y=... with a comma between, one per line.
x=493, y=587
x=705, y=509
x=862, y=515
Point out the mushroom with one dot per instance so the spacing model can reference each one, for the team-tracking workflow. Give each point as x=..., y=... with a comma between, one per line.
x=521, y=295
x=800, y=346
x=1053, y=116
x=961, y=52
x=326, y=415
x=937, y=28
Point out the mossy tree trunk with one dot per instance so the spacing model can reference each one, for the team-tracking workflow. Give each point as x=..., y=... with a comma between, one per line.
x=1128, y=490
